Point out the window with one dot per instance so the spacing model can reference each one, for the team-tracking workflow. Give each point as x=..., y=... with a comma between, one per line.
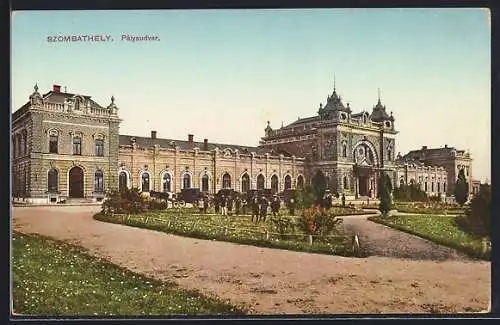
x=186, y=181
x=274, y=183
x=345, y=182
x=425, y=186
x=25, y=140
x=52, y=180
x=98, y=182
x=260, y=182
x=226, y=181
x=167, y=182
x=204, y=183
x=401, y=182
x=389, y=154
x=288, y=182
x=432, y=186
x=245, y=183
x=99, y=147
x=77, y=145
x=344, y=150
x=300, y=182
x=439, y=187
x=444, y=187
x=53, y=139
x=145, y=182
x=122, y=181
x=14, y=144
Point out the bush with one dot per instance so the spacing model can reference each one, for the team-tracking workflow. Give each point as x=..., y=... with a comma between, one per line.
x=283, y=225
x=477, y=218
x=305, y=198
x=385, y=194
x=461, y=188
x=409, y=193
x=318, y=221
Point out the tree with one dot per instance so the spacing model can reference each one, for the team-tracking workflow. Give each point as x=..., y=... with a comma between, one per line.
x=319, y=186
x=461, y=188
x=479, y=214
x=385, y=187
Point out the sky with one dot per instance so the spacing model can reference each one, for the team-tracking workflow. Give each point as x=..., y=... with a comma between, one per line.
x=221, y=74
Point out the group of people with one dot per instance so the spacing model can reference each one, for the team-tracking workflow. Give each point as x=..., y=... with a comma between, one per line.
x=258, y=206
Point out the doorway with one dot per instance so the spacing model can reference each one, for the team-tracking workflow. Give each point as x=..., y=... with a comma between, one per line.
x=76, y=182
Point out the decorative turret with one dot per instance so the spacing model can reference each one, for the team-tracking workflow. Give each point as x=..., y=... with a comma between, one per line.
x=35, y=98
x=378, y=113
x=268, y=129
x=333, y=104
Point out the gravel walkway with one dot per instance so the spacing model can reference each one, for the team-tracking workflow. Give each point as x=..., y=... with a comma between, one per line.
x=271, y=281
x=380, y=240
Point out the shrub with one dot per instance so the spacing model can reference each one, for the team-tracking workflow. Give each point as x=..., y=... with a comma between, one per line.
x=477, y=218
x=305, y=198
x=461, y=188
x=409, y=193
x=124, y=201
x=385, y=194
x=318, y=221
x=283, y=225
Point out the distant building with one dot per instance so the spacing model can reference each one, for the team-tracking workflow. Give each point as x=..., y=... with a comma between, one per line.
x=68, y=146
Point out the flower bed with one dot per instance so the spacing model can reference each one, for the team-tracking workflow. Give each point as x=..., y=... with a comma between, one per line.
x=53, y=278
x=441, y=230
x=237, y=229
x=428, y=208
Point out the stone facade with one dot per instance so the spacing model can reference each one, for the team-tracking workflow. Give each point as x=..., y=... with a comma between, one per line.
x=88, y=155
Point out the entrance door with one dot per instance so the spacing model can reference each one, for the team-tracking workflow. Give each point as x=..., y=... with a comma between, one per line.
x=363, y=185
x=76, y=182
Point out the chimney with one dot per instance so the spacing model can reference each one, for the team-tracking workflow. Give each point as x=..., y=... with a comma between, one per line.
x=190, y=137
x=205, y=144
x=424, y=147
x=153, y=134
x=446, y=146
x=56, y=88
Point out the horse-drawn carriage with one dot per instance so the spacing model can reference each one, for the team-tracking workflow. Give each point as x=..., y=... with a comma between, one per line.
x=185, y=196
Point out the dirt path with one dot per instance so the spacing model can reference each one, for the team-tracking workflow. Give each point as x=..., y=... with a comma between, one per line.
x=270, y=281
x=380, y=240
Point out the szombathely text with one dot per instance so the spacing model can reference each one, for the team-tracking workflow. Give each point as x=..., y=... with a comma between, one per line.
x=100, y=38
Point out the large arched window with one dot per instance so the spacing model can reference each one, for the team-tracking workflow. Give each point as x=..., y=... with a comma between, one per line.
x=53, y=180
x=186, y=181
x=432, y=186
x=122, y=181
x=300, y=182
x=204, y=183
x=288, y=182
x=167, y=182
x=245, y=183
x=226, y=181
x=99, y=181
x=145, y=182
x=274, y=183
x=261, y=181
x=439, y=187
x=344, y=150
x=345, y=182
x=444, y=187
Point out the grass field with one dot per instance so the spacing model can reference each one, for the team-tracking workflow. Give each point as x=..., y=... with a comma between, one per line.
x=52, y=278
x=237, y=229
x=439, y=229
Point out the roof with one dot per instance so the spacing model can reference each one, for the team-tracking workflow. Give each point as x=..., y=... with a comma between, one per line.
x=60, y=97
x=303, y=121
x=148, y=142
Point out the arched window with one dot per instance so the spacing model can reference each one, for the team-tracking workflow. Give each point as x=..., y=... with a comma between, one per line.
x=389, y=154
x=412, y=181
x=260, y=182
x=122, y=181
x=204, y=183
x=345, y=182
x=300, y=182
x=274, y=183
x=77, y=145
x=288, y=182
x=432, y=186
x=21, y=145
x=245, y=183
x=186, y=181
x=53, y=143
x=401, y=182
x=344, y=150
x=99, y=147
x=25, y=141
x=166, y=182
x=226, y=181
x=53, y=180
x=98, y=182
x=439, y=187
x=145, y=182
x=444, y=187
x=425, y=186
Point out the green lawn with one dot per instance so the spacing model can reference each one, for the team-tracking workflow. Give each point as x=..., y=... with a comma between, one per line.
x=52, y=278
x=439, y=229
x=237, y=229
x=420, y=209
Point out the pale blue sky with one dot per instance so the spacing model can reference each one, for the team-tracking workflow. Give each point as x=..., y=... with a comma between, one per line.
x=220, y=74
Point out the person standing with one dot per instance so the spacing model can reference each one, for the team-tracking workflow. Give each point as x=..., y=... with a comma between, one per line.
x=237, y=204
x=244, y=206
x=291, y=206
x=255, y=208
x=223, y=204
x=263, y=209
x=229, y=202
x=275, y=205
x=205, y=204
x=343, y=200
